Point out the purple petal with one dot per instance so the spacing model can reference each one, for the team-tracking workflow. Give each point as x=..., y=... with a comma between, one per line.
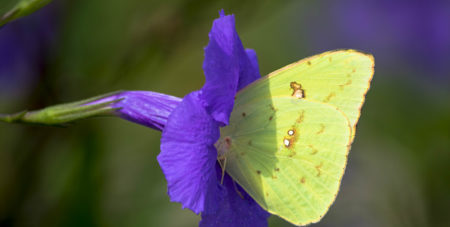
x=249, y=68
x=221, y=67
x=146, y=108
x=233, y=209
x=228, y=67
x=188, y=155
x=251, y=54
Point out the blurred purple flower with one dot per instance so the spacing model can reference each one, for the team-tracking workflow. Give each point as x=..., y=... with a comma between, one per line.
x=190, y=128
x=24, y=49
x=406, y=36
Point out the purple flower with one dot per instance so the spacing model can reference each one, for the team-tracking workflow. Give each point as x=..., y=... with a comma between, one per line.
x=188, y=156
x=190, y=128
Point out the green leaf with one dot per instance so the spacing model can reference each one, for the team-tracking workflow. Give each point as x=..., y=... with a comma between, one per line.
x=14, y=9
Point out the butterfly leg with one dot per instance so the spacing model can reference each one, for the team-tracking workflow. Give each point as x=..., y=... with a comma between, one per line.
x=223, y=170
x=237, y=190
x=222, y=159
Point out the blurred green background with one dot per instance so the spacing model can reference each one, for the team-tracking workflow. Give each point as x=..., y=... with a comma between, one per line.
x=103, y=171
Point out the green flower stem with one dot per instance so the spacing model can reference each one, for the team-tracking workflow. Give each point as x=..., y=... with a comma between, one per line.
x=65, y=113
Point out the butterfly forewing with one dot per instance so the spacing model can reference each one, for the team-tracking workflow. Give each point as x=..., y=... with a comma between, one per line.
x=340, y=78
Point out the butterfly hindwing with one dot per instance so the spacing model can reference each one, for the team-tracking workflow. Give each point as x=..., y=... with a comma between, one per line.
x=291, y=159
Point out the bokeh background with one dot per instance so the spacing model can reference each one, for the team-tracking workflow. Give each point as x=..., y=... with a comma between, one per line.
x=103, y=171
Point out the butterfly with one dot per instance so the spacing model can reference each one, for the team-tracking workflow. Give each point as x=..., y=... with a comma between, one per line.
x=290, y=133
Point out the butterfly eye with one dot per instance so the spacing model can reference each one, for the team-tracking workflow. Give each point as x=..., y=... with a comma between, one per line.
x=227, y=142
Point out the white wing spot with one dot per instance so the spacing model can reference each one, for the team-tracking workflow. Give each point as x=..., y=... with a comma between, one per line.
x=291, y=132
x=286, y=142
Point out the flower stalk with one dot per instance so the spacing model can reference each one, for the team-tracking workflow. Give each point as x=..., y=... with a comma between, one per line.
x=65, y=113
